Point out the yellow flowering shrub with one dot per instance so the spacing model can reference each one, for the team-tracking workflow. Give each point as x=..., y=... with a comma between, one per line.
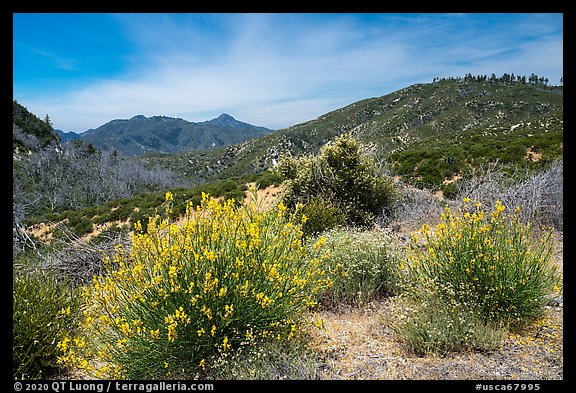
x=485, y=261
x=222, y=278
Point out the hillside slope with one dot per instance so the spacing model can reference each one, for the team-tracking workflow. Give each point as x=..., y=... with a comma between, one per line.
x=29, y=132
x=429, y=114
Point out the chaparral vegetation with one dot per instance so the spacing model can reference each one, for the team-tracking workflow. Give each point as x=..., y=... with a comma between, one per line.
x=356, y=255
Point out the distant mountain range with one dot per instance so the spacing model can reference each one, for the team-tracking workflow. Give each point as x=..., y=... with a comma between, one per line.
x=160, y=134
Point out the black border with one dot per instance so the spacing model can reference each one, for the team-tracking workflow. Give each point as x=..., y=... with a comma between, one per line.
x=8, y=7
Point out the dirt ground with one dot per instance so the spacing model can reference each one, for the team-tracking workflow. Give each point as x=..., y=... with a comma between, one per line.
x=359, y=344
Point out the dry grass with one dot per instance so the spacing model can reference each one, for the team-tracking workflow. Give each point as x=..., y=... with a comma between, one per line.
x=359, y=344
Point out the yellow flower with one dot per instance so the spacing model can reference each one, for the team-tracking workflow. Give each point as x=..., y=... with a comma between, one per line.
x=229, y=309
x=172, y=332
x=63, y=345
x=138, y=226
x=225, y=344
x=304, y=218
x=125, y=328
x=169, y=196
x=202, y=363
x=206, y=311
x=320, y=243
x=80, y=342
x=65, y=311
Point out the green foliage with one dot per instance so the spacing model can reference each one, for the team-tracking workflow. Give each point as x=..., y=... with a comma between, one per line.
x=449, y=190
x=140, y=206
x=44, y=310
x=485, y=262
x=31, y=124
x=366, y=264
x=430, y=162
x=318, y=215
x=470, y=279
x=226, y=277
x=268, y=178
x=433, y=328
x=340, y=176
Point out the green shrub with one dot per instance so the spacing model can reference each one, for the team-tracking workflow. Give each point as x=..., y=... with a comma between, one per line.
x=366, y=264
x=268, y=178
x=83, y=227
x=318, y=216
x=44, y=311
x=341, y=176
x=449, y=190
x=224, y=278
x=487, y=262
x=434, y=328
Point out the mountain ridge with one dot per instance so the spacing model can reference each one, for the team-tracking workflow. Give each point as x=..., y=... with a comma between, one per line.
x=163, y=134
x=438, y=112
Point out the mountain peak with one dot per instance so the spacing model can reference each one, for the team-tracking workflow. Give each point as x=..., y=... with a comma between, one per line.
x=225, y=120
x=225, y=116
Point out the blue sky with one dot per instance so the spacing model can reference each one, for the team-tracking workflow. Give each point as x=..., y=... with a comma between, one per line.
x=272, y=70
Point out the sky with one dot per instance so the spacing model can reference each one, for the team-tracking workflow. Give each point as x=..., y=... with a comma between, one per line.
x=271, y=70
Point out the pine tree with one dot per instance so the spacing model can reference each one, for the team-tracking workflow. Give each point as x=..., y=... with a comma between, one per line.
x=48, y=122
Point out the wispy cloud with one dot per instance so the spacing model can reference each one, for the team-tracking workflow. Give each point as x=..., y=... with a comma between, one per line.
x=55, y=60
x=277, y=70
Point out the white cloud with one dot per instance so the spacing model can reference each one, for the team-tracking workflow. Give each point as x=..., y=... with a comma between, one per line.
x=280, y=70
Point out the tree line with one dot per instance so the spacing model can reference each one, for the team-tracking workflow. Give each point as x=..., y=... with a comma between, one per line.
x=505, y=78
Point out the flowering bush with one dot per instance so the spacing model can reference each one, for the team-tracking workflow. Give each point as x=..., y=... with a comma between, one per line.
x=486, y=262
x=222, y=278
